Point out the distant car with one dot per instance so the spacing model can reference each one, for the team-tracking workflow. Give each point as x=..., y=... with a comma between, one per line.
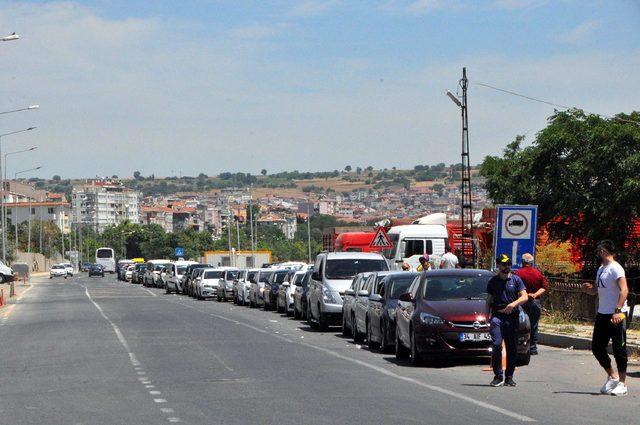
x=138, y=273
x=360, y=318
x=128, y=274
x=227, y=281
x=443, y=315
x=381, y=329
x=69, y=268
x=244, y=286
x=96, y=270
x=285, y=293
x=187, y=282
x=86, y=266
x=349, y=302
x=257, y=291
x=300, y=296
x=238, y=283
x=272, y=286
x=58, y=270
x=207, y=282
x=176, y=275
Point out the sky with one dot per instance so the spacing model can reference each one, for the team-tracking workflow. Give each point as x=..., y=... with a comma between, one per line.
x=178, y=88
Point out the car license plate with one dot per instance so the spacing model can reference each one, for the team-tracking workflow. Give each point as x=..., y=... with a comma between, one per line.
x=474, y=336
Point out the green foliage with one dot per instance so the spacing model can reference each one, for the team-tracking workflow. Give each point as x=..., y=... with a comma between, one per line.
x=582, y=171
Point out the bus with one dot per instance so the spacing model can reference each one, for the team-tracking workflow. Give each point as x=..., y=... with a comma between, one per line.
x=106, y=257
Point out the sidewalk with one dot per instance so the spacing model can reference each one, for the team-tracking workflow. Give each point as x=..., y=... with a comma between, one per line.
x=578, y=336
x=19, y=289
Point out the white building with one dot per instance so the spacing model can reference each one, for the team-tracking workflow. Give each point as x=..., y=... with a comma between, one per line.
x=56, y=212
x=103, y=202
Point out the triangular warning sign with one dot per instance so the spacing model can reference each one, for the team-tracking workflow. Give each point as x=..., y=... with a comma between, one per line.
x=381, y=239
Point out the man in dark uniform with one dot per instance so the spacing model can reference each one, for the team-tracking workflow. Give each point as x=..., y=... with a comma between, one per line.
x=506, y=292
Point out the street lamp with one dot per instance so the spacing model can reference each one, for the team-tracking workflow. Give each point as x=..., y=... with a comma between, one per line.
x=10, y=37
x=2, y=193
x=28, y=108
x=29, y=212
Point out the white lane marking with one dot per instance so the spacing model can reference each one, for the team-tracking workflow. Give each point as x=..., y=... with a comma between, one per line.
x=151, y=292
x=141, y=373
x=384, y=371
x=166, y=410
x=149, y=386
x=174, y=419
x=159, y=400
x=154, y=392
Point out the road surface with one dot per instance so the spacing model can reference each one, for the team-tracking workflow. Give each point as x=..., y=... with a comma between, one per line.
x=99, y=351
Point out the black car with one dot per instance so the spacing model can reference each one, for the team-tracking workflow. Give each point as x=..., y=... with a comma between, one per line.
x=187, y=284
x=300, y=296
x=381, y=328
x=443, y=314
x=138, y=273
x=96, y=270
x=272, y=286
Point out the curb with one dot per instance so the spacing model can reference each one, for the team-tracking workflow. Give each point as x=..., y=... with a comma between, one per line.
x=574, y=342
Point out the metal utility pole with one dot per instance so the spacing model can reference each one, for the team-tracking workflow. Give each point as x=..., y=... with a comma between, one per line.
x=253, y=242
x=229, y=232
x=237, y=230
x=309, y=228
x=466, y=210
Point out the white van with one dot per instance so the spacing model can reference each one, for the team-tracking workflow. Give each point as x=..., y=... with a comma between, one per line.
x=176, y=271
x=412, y=241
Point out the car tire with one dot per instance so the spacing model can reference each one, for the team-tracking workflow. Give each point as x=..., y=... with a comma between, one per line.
x=357, y=336
x=345, y=329
x=310, y=321
x=402, y=353
x=385, y=347
x=523, y=359
x=322, y=320
x=372, y=344
x=167, y=291
x=416, y=359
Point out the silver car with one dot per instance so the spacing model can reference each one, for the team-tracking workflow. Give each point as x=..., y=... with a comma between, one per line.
x=333, y=272
x=244, y=285
x=225, y=287
x=256, y=293
x=348, y=312
x=359, y=319
x=285, y=293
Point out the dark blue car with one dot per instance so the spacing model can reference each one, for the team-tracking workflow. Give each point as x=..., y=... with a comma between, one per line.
x=382, y=309
x=96, y=270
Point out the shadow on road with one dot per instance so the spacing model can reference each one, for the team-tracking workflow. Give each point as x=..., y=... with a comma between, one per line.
x=576, y=392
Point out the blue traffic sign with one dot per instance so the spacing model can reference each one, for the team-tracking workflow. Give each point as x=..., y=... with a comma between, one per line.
x=179, y=252
x=515, y=232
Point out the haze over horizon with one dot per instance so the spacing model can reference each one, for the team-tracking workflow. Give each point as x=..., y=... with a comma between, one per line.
x=298, y=85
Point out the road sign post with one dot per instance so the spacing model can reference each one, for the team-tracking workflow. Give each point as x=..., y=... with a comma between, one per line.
x=515, y=231
x=179, y=252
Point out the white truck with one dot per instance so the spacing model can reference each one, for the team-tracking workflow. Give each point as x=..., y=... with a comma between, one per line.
x=427, y=235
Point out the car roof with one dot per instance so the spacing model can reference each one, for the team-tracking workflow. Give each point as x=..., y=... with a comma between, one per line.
x=458, y=272
x=354, y=255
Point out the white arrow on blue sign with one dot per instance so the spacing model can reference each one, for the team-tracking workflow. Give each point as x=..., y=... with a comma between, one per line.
x=179, y=252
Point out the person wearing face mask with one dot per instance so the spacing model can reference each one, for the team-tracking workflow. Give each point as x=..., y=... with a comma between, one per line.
x=612, y=290
x=506, y=293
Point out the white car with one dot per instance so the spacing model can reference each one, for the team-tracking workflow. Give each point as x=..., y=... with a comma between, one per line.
x=128, y=274
x=58, y=270
x=244, y=285
x=68, y=267
x=207, y=282
x=286, y=291
x=6, y=273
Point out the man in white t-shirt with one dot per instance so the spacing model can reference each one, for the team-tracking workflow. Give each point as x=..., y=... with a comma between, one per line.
x=612, y=290
x=449, y=260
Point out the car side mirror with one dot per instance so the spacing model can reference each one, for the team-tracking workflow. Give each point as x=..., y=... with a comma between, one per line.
x=406, y=297
x=363, y=293
x=349, y=292
x=315, y=276
x=375, y=298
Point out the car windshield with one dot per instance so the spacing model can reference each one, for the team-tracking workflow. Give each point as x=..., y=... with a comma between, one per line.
x=181, y=269
x=279, y=277
x=455, y=287
x=232, y=274
x=264, y=276
x=347, y=268
x=251, y=276
x=213, y=274
x=159, y=267
x=57, y=267
x=400, y=285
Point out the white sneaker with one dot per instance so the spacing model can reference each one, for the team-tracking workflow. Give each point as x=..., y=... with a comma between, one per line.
x=609, y=385
x=620, y=389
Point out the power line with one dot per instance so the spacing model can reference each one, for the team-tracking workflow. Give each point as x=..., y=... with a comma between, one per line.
x=549, y=103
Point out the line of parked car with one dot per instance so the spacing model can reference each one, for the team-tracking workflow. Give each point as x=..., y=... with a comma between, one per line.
x=418, y=316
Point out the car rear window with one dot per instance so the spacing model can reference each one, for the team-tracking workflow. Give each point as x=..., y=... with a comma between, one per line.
x=213, y=274
x=455, y=287
x=400, y=285
x=264, y=277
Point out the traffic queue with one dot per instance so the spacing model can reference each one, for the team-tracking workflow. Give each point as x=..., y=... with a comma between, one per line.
x=421, y=316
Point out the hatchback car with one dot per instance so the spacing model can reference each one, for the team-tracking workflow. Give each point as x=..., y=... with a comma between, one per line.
x=244, y=286
x=360, y=314
x=284, y=302
x=207, y=282
x=272, y=286
x=444, y=314
x=349, y=302
x=256, y=293
x=57, y=270
x=96, y=270
x=300, y=296
x=228, y=279
x=381, y=328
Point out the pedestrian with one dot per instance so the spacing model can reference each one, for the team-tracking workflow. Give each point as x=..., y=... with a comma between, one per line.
x=506, y=293
x=612, y=290
x=536, y=285
x=406, y=267
x=449, y=259
x=424, y=263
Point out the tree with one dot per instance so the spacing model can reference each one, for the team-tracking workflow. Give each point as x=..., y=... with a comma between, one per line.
x=137, y=175
x=348, y=168
x=263, y=172
x=582, y=172
x=359, y=170
x=56, y=178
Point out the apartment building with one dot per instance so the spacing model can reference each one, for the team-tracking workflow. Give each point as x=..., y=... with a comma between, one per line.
x=104, y=202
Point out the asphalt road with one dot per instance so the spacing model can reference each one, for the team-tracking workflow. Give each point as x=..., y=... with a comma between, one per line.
x=98, y=351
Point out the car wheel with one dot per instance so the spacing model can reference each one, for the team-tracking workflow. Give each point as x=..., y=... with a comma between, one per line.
x=345, y=329
x=384, y=345
x=372, y=344
x=357, y=336
x=322, y=320
x=401, y=351
x=523, y=359
x=416, y=360
x=310, y=321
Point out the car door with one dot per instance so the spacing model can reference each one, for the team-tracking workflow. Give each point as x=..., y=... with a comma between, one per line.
x=315, y=288
x=361, y=303
x=375, y=309
x=404, y=312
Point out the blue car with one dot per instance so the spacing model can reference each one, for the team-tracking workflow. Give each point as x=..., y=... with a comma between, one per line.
x=96, y=270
